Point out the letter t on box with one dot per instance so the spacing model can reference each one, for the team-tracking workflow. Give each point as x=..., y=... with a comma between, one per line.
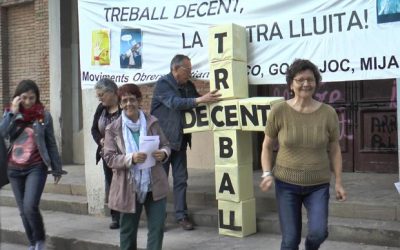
x=226, y=42
x=228, y=57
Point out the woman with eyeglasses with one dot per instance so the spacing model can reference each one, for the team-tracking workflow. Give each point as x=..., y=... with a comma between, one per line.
x=308, y=135
x=135, y=187
x=107, y=111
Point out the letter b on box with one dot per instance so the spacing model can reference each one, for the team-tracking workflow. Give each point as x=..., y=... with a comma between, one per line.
x=232, y=147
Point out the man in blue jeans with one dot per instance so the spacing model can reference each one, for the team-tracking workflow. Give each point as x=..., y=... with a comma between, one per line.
x=173, y=94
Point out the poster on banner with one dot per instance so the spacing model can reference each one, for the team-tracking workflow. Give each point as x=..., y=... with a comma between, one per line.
x=347, y=39
x=131, y=48
x=100, y=47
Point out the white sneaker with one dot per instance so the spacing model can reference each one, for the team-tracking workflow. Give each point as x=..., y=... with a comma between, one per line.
x=31, y=247
x=40, y=245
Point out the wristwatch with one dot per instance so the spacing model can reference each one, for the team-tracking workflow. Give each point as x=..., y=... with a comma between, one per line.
x=266, y=173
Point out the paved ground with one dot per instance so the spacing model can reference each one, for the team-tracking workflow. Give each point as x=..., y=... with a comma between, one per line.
x=94, y=230
x=6, y=246
x=361, y=187
x=375, y=188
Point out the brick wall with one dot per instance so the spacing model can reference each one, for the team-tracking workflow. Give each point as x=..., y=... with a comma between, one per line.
x=24, y=32
x=4, y=90
x=147, y=92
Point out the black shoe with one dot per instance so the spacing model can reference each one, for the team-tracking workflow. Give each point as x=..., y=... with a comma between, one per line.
x=185, y=224
x=114, y=225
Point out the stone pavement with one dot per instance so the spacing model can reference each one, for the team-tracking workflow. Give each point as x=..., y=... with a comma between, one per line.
x=372, y=210
x=361, y=187
x=69, y=231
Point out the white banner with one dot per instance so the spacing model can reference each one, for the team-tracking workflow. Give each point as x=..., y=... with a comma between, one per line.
x=134, y=41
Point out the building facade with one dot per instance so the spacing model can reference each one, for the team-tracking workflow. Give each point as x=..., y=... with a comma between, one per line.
x=39, y=40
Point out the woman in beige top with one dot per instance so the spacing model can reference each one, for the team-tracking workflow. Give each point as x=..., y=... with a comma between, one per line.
x=308, y=135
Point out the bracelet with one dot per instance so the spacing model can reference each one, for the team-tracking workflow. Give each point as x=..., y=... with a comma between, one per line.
x=266, y=174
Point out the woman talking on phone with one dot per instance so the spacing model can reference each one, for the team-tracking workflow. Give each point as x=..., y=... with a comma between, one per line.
x=33, y=150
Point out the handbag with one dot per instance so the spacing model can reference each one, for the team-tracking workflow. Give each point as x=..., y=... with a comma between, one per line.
x=4, y=150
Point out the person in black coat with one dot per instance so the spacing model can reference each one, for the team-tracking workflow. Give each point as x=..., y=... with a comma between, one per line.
x=107, y=111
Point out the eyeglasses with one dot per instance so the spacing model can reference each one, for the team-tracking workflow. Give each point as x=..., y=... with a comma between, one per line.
x=188, y=70
x=303, y=81
x=125, y=101
x=102, y=94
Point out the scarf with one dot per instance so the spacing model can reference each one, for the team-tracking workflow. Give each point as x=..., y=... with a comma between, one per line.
x=142, y=177
x=36, y=112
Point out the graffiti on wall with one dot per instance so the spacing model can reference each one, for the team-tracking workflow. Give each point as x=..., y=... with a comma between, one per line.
x=383, y=131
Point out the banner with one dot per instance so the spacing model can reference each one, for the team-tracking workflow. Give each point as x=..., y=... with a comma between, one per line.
x=134, y=41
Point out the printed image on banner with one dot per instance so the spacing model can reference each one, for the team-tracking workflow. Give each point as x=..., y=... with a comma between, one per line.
x=388, y=11
x=131, y=48
x=100, y=47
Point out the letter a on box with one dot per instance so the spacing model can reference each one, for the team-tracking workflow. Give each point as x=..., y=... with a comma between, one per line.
x=234, y=183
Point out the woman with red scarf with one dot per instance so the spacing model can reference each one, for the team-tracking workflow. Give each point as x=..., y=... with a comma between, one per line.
x=33, y=151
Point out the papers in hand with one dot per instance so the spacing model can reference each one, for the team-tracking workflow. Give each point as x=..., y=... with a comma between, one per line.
x=148, y=144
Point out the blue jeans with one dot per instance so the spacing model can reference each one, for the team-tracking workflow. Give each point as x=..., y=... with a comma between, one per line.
x=27, y=185
x=155, y=211
x=290, y=199
x=178, y=162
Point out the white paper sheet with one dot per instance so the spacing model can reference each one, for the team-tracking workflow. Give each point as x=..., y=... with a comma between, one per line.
x=148, y=144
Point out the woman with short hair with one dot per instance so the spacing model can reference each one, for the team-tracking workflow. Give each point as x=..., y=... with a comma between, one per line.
x=134, y=188
x=107, y=111
x=308, y=135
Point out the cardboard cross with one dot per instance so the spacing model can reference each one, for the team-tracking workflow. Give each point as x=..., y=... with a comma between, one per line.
x=231, y=119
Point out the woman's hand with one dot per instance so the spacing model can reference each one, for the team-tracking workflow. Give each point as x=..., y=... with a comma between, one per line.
x=159, y=155
x=266, y=183
x=15, y=104
x=139, y=157
x=340, y=192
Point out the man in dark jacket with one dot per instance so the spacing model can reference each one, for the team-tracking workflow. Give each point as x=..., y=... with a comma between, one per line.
x=173, y=94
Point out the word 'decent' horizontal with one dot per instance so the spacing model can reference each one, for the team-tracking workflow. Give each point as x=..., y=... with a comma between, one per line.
x=249, y=114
